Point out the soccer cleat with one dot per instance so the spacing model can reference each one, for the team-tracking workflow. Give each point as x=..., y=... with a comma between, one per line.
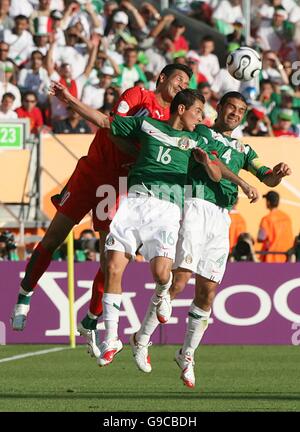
x=140, y=354
x=108, y=350
x=186, y=364
x=18, y=317
x=91, y=337
x=164, y=309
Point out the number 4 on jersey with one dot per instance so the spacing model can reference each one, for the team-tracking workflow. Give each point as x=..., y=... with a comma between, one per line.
x=227, y=156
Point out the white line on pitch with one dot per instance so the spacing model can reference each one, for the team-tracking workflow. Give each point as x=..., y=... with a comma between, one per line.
x=35, y=353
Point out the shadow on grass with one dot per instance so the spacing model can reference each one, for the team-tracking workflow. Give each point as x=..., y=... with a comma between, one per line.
x=132, y=395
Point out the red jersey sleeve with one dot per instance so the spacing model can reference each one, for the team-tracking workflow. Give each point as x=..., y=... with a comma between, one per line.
x=128, y=100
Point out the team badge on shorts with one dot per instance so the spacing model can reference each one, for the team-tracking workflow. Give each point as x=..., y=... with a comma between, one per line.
x=188, y=259
x=184, y=143
x=110, y=241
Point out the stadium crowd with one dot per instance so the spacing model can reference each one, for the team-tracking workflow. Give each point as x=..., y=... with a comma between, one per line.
x=100, y=48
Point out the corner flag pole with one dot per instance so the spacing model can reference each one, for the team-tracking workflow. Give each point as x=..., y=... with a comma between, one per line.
x=70, y=249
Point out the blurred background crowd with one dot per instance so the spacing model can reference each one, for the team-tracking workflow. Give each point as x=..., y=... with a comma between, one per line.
x=99, y=48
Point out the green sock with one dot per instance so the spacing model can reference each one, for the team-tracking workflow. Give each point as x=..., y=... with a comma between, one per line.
x=24, y=299
x=89, y=323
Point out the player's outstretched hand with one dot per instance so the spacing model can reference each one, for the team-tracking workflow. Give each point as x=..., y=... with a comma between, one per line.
x=201, y=156
x=251, y=192
x=282, y=170
x=60, y=91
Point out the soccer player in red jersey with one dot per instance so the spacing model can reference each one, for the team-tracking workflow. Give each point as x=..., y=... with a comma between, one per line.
x=103, y=165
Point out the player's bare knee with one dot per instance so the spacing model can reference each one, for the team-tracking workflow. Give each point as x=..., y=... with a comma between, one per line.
x=114, y=271
x=161, y=275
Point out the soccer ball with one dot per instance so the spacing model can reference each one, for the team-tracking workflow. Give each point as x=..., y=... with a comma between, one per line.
x=243, y=64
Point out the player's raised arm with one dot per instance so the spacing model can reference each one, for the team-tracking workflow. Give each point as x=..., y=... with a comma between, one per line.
x=274, y=177
x=250, y=191
x=94, y=116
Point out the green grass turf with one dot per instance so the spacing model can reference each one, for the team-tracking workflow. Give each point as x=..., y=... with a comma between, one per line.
x=228, y=378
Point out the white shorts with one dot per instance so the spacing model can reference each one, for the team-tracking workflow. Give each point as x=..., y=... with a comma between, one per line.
x=203, y=242
x=148, y=222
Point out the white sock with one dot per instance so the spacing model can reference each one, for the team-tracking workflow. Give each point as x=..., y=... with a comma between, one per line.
x=92, y=316
x=197, y=324
x=149, y=324
x=162, y=290
x=25, y=293
x=111, y=308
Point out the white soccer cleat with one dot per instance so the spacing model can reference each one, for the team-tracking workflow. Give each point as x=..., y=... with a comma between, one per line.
x=140, y=354
x=108, y=350
x=18, y=317
x=186, y=364
x=164, y=308
x=91, y=337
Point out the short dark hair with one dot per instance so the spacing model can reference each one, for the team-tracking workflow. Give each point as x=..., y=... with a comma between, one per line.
x=186, y=97
x=232, y=94
x=207, y=39
x=9, y=95
x=21, y=17
x=273, y=198
x=32, y=93
x=170, y=68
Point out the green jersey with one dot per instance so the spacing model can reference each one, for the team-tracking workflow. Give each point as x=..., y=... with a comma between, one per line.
x=236, y=156
x=162, y=163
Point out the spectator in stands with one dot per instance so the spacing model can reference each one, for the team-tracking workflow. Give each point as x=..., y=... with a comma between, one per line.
x=30, y=110
x=267, y=97
x=35, y=78
x=85, y=247
x=278, y=34
x=6, y=75
x=173, y=29
x=111, y=97
x=257, y=123
x=210, y=114
x=225, y=14
x=4, y=48
x=117, y=27
x=208, y=61
x=19, y=40
x=237, y=226
x=284, y=126
x=244, y=249
x=130, y=72
x=57, y=29
x=275, y=231
x=93, y=94
x=6, y=111
x=73, y=124
x=109, y=8
x=8, y=247
x=272, y=68
x=150, y=15
x=197, y=77
x=6, y=22
x=43, y=10
x=117, y=54
x=65, y=75
x=76, y=13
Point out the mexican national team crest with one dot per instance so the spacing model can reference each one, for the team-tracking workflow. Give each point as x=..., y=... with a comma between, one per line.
x=189, y=259
x=184, y=143
x=110, y=240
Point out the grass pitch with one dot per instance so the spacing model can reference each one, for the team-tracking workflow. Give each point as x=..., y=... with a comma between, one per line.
x=228, y=378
